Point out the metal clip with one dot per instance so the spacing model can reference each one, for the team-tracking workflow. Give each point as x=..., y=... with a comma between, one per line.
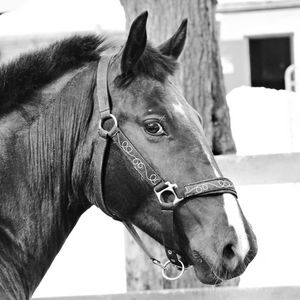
x=157, y=262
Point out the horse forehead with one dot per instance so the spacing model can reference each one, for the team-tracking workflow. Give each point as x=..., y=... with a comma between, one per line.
x=169, y=96
x=177, y=103
x=150, y=95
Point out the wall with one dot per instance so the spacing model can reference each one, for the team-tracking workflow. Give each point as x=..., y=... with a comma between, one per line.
x=236, y=28
x=235, y=63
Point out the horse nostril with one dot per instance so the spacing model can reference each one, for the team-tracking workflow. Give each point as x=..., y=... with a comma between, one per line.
x=228, y=252
x=230, y=258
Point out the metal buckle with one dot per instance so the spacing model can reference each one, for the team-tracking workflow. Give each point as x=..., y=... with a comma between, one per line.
x=108, y=133
x=169, y=188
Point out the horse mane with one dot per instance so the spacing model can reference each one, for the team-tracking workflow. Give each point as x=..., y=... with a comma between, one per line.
x=21, y=78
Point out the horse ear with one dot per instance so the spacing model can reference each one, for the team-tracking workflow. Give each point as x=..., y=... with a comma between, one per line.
x=135, y=44
x=173, y=47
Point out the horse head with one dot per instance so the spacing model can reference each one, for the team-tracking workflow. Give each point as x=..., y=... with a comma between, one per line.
x=162, y=133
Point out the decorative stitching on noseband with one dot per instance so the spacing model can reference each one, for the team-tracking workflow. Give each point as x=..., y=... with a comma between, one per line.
x=208, y=187
x=137, y=162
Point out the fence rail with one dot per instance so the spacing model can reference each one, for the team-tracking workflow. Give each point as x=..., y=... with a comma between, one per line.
x=291, y=78
x=271, y=293
x=261, y=169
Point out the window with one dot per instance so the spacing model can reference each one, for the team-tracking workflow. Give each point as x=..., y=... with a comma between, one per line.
x=269, y=58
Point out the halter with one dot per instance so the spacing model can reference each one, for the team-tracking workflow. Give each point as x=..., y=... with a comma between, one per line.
x=164, y=190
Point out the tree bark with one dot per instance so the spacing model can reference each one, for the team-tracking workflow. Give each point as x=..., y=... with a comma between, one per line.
x=202, y=83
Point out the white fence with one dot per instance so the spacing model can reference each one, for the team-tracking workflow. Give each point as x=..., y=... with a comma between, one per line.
x=292, y=78
x=261, y=169
x=275, y=293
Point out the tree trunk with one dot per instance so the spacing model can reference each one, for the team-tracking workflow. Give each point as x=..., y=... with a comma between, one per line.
x=201, y=79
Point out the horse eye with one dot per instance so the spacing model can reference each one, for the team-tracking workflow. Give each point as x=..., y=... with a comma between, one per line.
x=154, y=128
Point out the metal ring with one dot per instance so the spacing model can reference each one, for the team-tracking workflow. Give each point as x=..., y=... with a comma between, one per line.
x=112, y=131
x=163, y=271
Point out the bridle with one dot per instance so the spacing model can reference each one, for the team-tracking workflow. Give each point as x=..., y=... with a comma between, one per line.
x=164, y=190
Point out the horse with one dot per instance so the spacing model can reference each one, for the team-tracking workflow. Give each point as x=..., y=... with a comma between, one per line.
x=83, y=123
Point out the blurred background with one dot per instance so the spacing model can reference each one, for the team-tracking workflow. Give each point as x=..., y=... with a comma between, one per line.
x=260, y=54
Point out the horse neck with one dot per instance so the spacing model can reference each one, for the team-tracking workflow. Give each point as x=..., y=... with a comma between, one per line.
x=39, y=205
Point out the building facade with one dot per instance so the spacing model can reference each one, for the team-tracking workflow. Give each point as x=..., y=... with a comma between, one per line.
x=259, y=40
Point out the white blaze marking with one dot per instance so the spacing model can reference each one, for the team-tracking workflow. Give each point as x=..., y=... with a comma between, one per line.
x=209, y=157
x=178, y=107
x=235, y=220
